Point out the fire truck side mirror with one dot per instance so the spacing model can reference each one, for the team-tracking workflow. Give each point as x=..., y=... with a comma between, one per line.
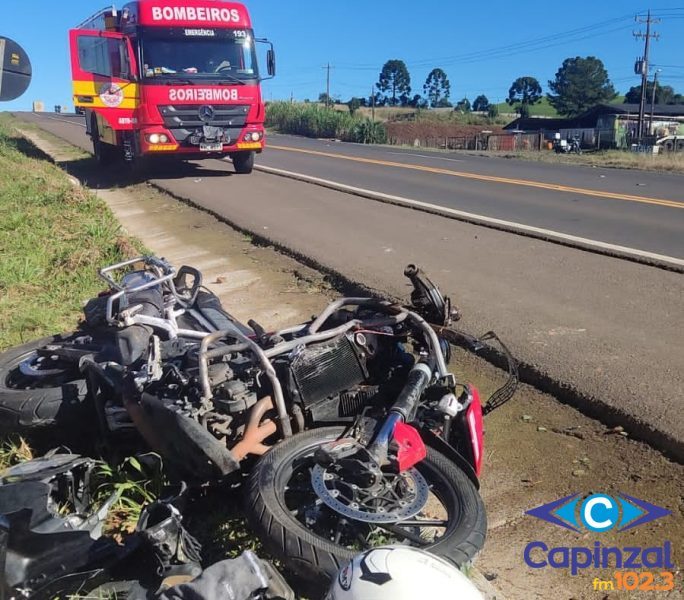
x=271, y=62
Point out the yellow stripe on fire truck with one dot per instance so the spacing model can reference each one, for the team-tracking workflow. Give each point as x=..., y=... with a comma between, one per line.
x=96, y=94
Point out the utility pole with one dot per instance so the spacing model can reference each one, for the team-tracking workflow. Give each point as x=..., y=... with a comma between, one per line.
x=327, y=85
x=642, y=66
x=655, y=86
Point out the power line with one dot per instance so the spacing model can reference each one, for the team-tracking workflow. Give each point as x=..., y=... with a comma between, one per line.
x=534, y=44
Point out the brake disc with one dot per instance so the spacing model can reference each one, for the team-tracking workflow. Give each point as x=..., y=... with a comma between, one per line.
x=398, y=497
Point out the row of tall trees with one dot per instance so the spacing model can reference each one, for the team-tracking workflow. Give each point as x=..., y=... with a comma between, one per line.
x=580, y=83
x=394, y=88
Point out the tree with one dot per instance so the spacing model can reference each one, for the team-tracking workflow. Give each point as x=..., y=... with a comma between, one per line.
x=395, y=82
x=580, y=84
x=481, y=103
x=524, y=93
x=463, y=105
x=355, y=103
x=378, y=99
x=665, y=94
x=418, y=102
x=437, y=88
x=493, y=111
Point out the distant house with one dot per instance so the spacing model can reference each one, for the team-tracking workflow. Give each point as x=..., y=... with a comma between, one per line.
x=607, y=125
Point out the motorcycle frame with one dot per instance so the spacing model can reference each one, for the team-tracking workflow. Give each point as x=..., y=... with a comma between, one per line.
x=164, y=274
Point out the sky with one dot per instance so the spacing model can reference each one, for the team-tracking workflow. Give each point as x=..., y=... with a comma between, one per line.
x=482, y=45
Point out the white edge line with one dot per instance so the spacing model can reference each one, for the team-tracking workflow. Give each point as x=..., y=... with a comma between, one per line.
x=427, y=156
x=51, y=118
x=536, y=231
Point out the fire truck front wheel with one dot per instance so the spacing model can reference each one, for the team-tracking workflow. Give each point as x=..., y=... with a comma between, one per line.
x=243, y=162
x=105, y=154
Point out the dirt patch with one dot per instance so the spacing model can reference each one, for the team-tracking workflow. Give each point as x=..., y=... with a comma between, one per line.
x=537, y=451
x=428, y=132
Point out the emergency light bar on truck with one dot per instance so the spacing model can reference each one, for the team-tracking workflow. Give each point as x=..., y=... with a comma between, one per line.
x=171, y=77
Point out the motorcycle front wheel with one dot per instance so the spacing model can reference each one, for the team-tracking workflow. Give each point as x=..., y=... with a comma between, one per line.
x=39, y=393
x=314, y=541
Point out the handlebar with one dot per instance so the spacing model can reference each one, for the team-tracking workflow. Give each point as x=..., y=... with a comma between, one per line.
x=164, y=267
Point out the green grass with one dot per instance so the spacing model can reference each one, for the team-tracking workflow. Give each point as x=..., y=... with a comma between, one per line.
x=542, y=109
x=316, y=121
x=53, y=238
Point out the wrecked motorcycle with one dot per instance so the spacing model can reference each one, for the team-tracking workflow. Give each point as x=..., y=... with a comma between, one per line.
x=43, y=389
x=365, y=436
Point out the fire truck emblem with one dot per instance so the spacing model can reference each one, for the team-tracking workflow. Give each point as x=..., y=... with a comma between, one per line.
x=206, y=113
x=111, y=95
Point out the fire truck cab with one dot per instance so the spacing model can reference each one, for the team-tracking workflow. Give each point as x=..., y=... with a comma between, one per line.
x=171, y=77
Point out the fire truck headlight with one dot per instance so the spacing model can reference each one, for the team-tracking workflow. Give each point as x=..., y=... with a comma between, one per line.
x=163, y=138
x=154, y=138
x=256, y=136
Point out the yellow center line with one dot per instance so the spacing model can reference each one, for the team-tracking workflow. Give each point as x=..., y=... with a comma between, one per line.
x=491, y=178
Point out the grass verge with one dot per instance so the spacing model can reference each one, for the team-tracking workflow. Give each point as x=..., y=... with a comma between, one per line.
x=53, y=238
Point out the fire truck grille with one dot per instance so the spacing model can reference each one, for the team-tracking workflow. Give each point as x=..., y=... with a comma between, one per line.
x=183, y=117
x=184, y=120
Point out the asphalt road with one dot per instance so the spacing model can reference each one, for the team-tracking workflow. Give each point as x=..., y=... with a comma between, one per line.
x=608, y=329
x=641, y=210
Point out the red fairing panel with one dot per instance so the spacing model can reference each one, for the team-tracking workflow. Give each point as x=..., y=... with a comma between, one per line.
x=411, y=449
x=476, y=429
x=193, y=13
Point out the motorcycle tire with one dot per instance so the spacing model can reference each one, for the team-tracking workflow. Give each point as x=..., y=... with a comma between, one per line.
x=314, y=559
x=38, y=404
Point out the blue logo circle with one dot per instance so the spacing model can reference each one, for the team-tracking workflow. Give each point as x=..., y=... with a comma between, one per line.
x=600, y=513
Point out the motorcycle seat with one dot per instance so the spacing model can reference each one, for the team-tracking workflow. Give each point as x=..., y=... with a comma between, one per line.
x=209, y=306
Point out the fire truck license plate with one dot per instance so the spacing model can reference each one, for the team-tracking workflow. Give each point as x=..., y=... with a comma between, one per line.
x=217, y=147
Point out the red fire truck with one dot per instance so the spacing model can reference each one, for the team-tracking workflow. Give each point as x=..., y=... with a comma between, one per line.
x=171, y=77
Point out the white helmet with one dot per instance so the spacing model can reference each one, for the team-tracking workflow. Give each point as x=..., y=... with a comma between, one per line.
x=398, y=573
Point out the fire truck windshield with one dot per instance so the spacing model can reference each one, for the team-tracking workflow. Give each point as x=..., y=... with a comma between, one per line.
x=199, y=54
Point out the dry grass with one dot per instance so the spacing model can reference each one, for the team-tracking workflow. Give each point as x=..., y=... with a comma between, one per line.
x=13, y=451
x=385, y=113
x=615, y=159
